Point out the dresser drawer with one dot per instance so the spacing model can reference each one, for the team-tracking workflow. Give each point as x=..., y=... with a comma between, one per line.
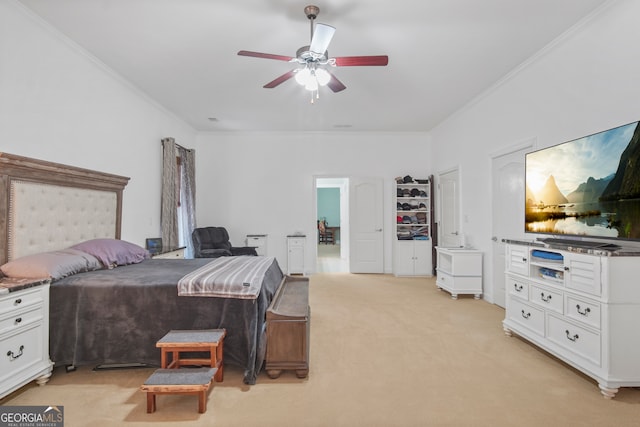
x=577, y=339
x=519, y=288
x=525, y=315
x=547, y=298
x=583, y=310
x=21, y=351
x=19, y=318
x=17, y=300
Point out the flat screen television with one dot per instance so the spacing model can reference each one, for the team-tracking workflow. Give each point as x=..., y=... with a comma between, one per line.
x=588, y=187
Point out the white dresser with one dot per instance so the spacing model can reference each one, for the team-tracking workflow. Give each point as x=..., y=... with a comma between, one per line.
x=24, y=333
x=459, y=271
x=581, y=307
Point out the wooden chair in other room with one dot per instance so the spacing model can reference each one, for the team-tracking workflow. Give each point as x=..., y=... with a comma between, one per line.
x=324, y=236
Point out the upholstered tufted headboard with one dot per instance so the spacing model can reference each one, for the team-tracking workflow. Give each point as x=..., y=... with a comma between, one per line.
x=46, y=206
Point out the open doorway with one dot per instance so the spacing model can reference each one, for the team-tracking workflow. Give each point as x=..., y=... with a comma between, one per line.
x=332, y=225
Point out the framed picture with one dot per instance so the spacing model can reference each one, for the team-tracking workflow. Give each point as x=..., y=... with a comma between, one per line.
x=154, y=245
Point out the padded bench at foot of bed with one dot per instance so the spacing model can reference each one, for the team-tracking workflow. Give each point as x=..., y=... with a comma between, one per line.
x=179, y=381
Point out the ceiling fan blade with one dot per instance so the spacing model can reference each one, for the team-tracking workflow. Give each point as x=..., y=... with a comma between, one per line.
x=346, y=61
x=335, y=84
x=283, y=78
x=322, y=36
x=265, y=55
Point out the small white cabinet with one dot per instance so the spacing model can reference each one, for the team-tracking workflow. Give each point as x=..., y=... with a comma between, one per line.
x=459, y=271
x=296, y=254
x=413, y=258
x=582, y=308
x=258, y=241
x=24, y=334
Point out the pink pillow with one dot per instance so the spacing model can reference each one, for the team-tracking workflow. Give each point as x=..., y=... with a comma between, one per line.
x=113, y=252
x=54, y=264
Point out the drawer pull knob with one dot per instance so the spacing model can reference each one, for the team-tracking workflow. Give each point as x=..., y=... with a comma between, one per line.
x=517, y=287
x=524, y=259
x=19, y=319
x=571, y=338
x=18, y=301
x=545, y=299
x=585, y=312
x=13, y=356
x=526, y=315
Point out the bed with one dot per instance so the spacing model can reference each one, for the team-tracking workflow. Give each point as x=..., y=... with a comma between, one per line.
x=114, y=316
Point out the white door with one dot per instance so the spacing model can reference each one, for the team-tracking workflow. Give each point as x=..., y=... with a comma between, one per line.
x=449, y=223
x=507, y=211
x=366, y=251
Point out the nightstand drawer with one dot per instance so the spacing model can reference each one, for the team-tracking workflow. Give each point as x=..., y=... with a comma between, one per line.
x=16, y=300
x=296, y=241
x=21, y=351
x=20, y=318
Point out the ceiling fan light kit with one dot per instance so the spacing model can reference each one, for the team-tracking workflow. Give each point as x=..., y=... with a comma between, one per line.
x=312, y=60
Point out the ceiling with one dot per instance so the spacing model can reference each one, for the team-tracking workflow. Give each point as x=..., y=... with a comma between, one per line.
x=183, y=54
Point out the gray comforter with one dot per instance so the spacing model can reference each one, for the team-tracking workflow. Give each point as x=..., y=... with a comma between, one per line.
x=116, y=316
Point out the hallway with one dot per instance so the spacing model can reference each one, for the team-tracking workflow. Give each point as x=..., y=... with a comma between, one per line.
x=329, y=260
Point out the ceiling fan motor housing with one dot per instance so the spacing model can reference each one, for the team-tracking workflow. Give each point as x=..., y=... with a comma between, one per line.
x=312, y=11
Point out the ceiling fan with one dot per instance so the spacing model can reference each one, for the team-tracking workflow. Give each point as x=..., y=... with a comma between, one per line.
x=312, y=60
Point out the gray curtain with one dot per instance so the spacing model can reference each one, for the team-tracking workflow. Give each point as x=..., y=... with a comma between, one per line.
x=168, y=209
x=177, y=216
x=187, y=199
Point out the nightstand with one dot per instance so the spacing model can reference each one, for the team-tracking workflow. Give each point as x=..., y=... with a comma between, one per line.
x=24, y=333
x=167, y=253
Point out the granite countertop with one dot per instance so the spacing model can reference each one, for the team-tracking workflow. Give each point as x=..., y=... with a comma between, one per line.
x=10, y=284
x=524, y=242
x=579, y=246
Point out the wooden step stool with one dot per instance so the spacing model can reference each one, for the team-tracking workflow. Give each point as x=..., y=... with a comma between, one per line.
x=179, y=381
x=202, y=340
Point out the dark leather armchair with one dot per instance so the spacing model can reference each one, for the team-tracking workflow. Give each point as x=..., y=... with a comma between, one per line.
x=213, y=242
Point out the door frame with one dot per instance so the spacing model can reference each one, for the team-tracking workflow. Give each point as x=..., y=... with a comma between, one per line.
x=341, y=182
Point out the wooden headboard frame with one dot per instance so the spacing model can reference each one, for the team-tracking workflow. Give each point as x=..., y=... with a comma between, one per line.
x=24, y=169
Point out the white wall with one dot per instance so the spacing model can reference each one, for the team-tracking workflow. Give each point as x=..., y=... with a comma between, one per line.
x=59, y=104
x=585, y=83
x=255, y=183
